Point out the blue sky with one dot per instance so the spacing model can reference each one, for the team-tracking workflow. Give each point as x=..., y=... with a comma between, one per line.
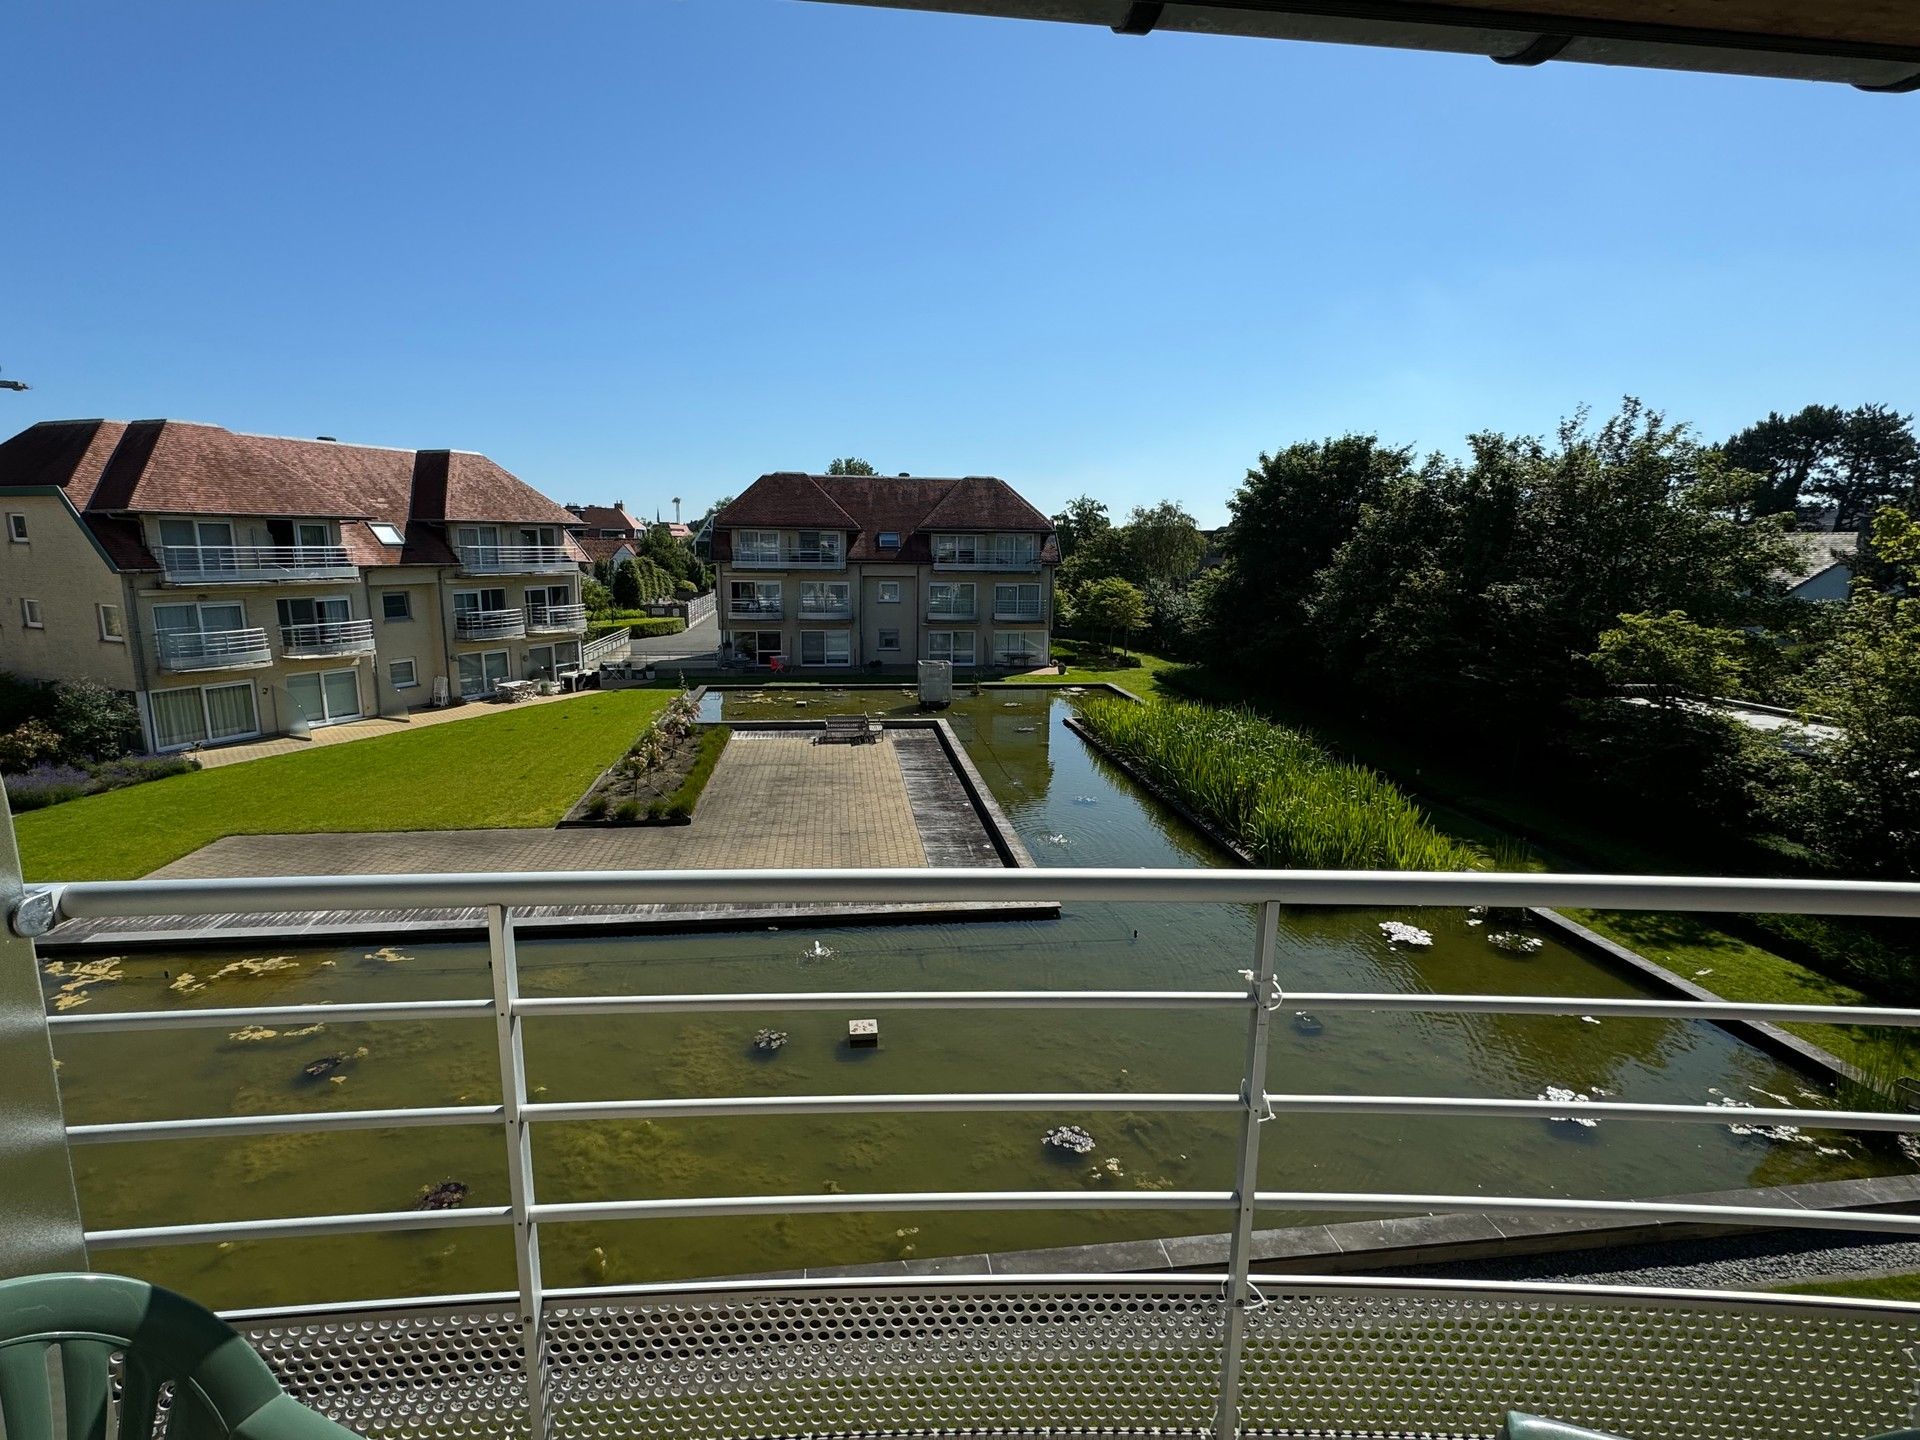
x=641, y=248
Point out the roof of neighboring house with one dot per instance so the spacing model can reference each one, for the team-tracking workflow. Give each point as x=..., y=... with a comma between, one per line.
x=111, y=469
x=601, y=548
x=1871, y=43
x=1818, y=551
x=873, y=505
x=679, y=531
x=608, y=517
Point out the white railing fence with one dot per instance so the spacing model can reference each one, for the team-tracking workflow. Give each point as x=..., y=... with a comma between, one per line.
x=1225, y=1331
x=610, y=646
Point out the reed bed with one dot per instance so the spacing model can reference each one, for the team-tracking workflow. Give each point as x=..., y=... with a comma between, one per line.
x=1275, y=791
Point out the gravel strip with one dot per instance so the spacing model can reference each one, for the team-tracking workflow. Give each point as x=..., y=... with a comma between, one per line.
x=1735, y=1262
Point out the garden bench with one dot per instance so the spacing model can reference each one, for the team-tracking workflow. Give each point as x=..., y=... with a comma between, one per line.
x=848, y=730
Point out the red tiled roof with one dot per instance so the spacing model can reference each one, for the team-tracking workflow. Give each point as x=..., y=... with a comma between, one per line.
x=873, y=505
x=110, y=467
x=605, y=547
x=607, y=517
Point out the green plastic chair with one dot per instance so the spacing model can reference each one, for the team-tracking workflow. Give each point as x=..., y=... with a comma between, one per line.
x=220, y=1387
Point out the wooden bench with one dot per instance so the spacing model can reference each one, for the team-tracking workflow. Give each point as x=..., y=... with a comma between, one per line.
x=848, y=730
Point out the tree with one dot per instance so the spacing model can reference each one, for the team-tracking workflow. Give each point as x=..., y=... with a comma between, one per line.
x=1853, y=460
x=1165, y=543
x=626, y=586
x=94, y=723
x=851, y=465
x=1084, y=518
x=1790, y=453
x=1877, y=464
x=1670, y=658
x=675, y=558
x=1110, y=607
x=597, y=598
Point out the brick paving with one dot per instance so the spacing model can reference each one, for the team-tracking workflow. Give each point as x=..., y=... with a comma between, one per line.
x=775, y=802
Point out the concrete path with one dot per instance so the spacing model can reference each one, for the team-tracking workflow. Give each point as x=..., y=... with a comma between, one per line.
x=698, y=645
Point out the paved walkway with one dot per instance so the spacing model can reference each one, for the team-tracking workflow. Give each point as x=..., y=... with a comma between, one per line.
x=218, y=755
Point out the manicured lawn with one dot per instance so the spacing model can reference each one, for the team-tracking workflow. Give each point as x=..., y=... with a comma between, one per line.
x=1086, y=666
x=521, y=767
x=1875, y=1287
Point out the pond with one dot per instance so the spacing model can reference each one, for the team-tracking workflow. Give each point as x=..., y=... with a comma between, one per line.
x=1071, y=808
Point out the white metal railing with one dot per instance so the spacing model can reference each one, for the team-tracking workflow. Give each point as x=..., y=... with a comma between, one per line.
x=790, y=560
x=556, y=618
x=516, y=559
x=825, y=609
x=610, y=646
x=181, y=650
x=246, y=564
x=328, y=637
x=1020, y=610
x=504, y=897
x=762, y=608
x=951, y=610
x=986, y=562
x=489, y=624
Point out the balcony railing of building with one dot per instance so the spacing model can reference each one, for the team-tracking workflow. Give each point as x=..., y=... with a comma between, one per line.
x=760, y=608
x=327, y=637
x=1026, y=610
x=952, y=610
x=556, y=619
x=839, y=608
x=981, y=560
x=489, y=624
x=1183, y=1354
x=254, y=564
x=516, y=560
x=790, y=560
x=183, y=650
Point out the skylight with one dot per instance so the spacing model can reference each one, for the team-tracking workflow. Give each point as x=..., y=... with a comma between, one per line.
x=386, y=534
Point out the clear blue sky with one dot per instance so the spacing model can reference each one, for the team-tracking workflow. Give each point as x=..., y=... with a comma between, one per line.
x=640, y=248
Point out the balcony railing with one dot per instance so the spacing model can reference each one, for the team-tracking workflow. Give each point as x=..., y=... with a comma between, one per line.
x=764, y=608
x=1184, y=1354
x=952, y=610
x=254, y=564
x=1027, y=610
x=183, y=650
x=979, y=561
x=489, y=624
x=833, y=609
x=327, y=637
x=790, y=560
x=516, y=560
x=556, y=619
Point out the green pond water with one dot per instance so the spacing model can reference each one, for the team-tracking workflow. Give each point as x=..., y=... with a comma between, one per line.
x=1071, y=808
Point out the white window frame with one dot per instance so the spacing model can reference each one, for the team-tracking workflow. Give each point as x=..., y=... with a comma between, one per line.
x=759, y=592
x=889, y=540
x=16, y=527
x=881, y=642
x=756, y=546
x=1018, y=587
x=826, y=639
x=953, y=588
x=406, y=606
x=946, y=640
x=31, y=615
x=480, y=658
x=1015, y=548
x=101, y=612
x=326, y=716
x=1033, y=648
x=829, y=546
x=948, y=550
x=888, y=593
x=412, y=681
x=206, y=736
x=381, y=529
x=838, y=594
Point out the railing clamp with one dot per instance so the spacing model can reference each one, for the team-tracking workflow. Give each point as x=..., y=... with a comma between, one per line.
x=34, y=914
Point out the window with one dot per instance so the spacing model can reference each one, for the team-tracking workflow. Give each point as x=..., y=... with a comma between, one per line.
x=396, y=605
x=326, y=697
x=756, y=547
x=890, y=639
x=1016, y=551
x=753, y=597
x=17, y=528
x=1016, y=602
x=955, y=549
x=387, y=534
x=1023, y=649
x=823, y=647
x=820, y=546
x=825, y=597
x=112, y=627
x=889, y=592
x=310, y=611
x=30, y=615
x=954, y=645
x=889, y=540
x=480, y=673
x=402, y=674
x=310, y=534
x=199, y=713
x=950, y=599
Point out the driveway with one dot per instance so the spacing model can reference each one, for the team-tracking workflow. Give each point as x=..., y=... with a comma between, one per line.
x=699, y=642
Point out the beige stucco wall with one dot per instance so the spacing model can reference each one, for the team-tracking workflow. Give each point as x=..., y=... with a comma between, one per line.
x=516, y=588
x=58, y=566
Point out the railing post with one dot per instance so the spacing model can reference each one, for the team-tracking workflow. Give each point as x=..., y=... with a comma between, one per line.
x=1263, y=994
x=505, y=965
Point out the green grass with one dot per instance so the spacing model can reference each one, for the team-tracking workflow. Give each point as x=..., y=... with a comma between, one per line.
x=1869, y=1287
x=1087, y=666
x=521, y=767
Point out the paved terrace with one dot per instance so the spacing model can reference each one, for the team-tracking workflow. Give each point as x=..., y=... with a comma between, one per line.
x=776, y=801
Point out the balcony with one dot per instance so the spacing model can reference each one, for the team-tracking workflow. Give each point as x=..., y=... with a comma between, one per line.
x=328, y=637
x=516, y=560
x=979, y=560
x=556, y=619
x=789, y=560
x=1024, y=612
x=1218, y=1347
x=836, y=609
x=185, y=651
x=254, y=564
x=948, y=610
x=489, y=624
x=764, y=608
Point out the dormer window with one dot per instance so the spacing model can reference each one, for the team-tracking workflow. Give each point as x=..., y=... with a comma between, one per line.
x=889, y=540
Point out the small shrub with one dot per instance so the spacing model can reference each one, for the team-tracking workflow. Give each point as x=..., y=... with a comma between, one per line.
x=597, y=806
x=46, y=785
x=94, y=723
x=626, y=812
x=34, y=742
x=138, y=770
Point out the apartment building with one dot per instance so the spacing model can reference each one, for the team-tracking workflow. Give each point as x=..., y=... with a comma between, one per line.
x=857, y=571
x=244, y=585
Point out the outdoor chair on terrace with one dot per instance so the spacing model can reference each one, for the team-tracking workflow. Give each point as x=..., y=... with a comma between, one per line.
x=220, y=1388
